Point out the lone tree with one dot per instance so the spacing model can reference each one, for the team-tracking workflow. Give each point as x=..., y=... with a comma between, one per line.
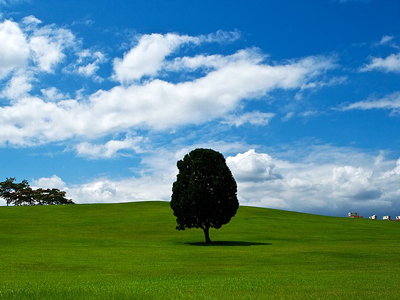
x=204, y=193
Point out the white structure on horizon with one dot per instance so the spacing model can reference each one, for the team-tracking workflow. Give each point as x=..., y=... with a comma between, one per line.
x=386, y=217
x=373, y=217
x=354, y=215
x=398, y=218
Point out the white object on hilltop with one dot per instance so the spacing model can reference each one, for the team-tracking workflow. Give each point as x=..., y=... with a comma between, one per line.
x=386, y=217
x=354, y=215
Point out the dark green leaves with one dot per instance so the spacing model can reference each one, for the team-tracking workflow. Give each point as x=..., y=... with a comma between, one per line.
x=204, y=194
x=22, y=194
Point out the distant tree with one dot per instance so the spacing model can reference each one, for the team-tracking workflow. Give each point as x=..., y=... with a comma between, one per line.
x=22, y=194
x=13, y=192
x=204, y=193
x=51, y=197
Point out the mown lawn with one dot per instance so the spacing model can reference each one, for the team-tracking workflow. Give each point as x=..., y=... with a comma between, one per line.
x=132, y=251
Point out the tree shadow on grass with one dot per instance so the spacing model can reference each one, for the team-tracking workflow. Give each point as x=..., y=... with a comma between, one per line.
x=229, y=243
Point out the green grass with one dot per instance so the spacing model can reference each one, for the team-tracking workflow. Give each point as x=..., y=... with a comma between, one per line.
x=132, y=251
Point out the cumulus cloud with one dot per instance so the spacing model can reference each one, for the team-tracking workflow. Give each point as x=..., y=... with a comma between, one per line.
x=253, y=167
x=18, y=87
x=354, y=183
x=327, y=185
x=101, y=190
x=48, y=44
x=26, y=48
x=14, y=51
x=49, y=183
x=105, y=190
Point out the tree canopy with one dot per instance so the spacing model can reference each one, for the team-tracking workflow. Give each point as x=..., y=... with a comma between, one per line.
x=204, y=193
x=19, y=194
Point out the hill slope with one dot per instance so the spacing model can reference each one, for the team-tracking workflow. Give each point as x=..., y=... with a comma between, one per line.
x=132, y=251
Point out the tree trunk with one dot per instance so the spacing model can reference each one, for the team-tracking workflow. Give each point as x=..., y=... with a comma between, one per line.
x=207, y=235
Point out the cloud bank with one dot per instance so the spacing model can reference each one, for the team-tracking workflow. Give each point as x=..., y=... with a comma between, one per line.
x=143, y=98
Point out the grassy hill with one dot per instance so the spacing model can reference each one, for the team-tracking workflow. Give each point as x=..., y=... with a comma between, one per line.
x=132, y=251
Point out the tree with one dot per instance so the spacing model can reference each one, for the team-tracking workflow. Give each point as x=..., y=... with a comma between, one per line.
x=14, y=192
x=51, y=197
x=204, y=193
x=22, y=194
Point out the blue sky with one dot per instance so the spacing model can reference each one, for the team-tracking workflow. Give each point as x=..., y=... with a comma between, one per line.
x=101, y=98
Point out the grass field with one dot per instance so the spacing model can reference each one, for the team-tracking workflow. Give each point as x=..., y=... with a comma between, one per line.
x=132, y=251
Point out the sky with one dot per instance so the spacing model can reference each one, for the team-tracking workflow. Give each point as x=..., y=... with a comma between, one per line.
x=102, y=98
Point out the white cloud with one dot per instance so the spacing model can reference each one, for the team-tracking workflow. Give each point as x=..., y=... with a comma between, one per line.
x=252, y=55
x=14, y=50
x=320, y=84
x=146, y=58
x=104, y=190
x=18, y=87
x=220, y=37
x=110, y=149
x=254, y=118
x=30, y=22
x=288, y=116
x=389, y=102
x=385, y=40
x=48, y=44
x=87, y=64
x=309, y=113
x=394, y=173
x=325, y=184
x=388, y=64
x=354, y=183
x=153, y=182
x=49, y=183
x=253, y=167
x=155, y=104
x=53, y=94
x=27, y=45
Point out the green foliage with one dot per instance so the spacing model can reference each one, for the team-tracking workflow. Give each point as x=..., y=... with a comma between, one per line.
x=15, y=193
x=130, y=251
x=204, y=194
x=21, y=194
